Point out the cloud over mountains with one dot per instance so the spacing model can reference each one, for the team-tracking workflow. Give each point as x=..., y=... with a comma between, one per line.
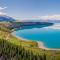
x=50, y=17
x=45, y=17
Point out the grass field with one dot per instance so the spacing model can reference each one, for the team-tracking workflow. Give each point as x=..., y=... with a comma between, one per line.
x=12, y=48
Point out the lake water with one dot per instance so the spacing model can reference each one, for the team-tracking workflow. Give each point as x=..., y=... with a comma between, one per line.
x=50, y=35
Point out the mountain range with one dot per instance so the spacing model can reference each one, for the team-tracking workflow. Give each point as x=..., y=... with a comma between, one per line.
x=4, y=18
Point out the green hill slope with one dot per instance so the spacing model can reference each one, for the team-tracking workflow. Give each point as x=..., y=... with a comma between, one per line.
x=12, y=48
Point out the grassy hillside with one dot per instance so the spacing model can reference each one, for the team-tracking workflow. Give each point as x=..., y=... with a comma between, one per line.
x=12, y=48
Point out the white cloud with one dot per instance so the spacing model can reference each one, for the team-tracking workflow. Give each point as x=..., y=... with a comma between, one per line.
x=51, y=17
x=2, y=13
x=2, y=8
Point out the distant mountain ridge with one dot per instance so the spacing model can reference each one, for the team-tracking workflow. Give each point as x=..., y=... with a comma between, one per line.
x=6, y=18
x=40, y=20
x=54, y=21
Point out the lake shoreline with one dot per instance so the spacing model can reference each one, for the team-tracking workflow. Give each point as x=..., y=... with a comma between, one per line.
x=40, y=44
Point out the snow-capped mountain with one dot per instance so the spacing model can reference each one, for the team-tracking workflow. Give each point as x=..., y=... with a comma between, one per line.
x=6, y=18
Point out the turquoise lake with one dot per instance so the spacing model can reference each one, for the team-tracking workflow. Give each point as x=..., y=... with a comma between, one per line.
x=50, y=35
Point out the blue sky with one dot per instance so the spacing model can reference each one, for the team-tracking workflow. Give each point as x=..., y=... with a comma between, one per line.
x=27, y=9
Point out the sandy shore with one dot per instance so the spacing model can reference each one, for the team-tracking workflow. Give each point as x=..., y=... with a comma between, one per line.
x=40, y=44
x=18, y=37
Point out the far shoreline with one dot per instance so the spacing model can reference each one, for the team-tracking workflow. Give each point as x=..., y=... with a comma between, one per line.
x=40, y=43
